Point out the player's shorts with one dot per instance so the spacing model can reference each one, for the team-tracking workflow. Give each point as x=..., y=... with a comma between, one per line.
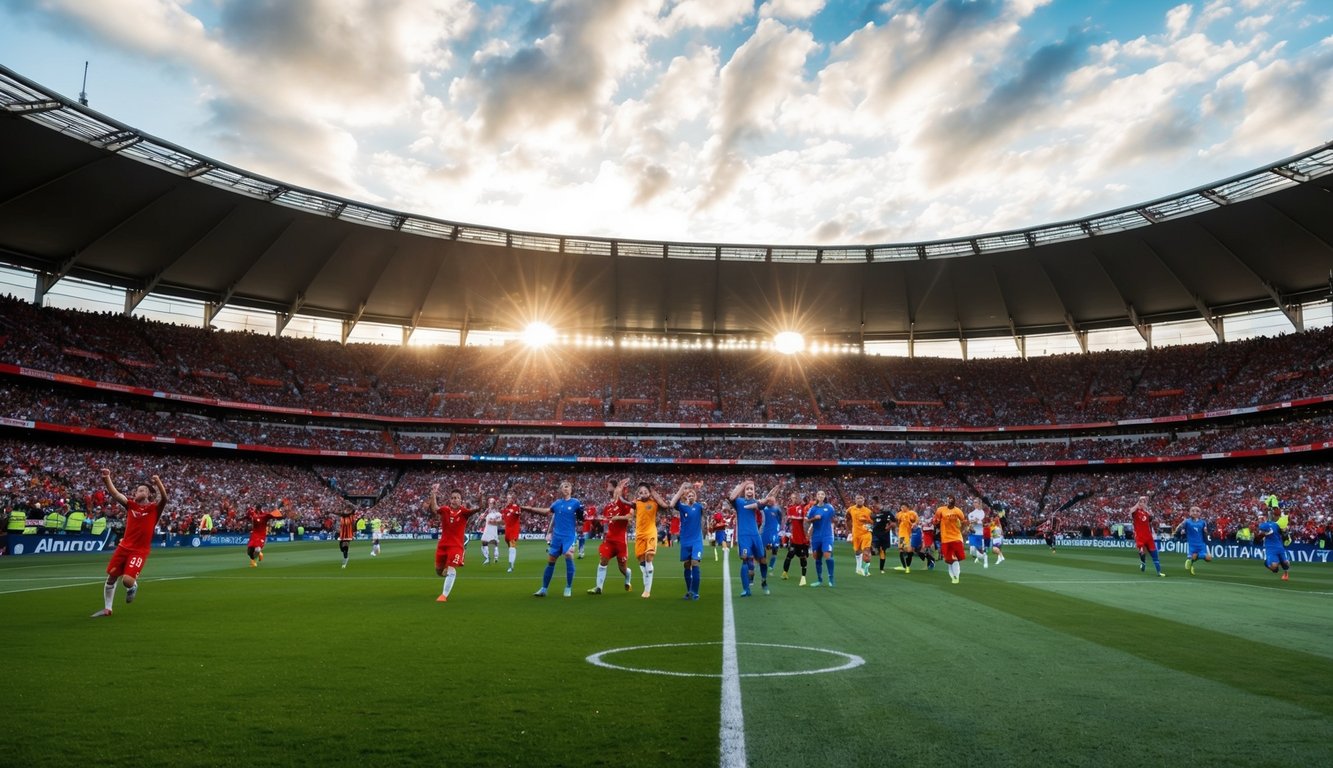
x=915, y=539
x=489, y=533
x=905, y=542
x=822, y=545
x=952, y=552
x=928, y=539
x=1272, y=557
x=692, y=551
x=1197, y=549
x=997, y=541
x=772, y=540
x=1050, y=541
x=883, y=542
x=977, y=541
x=559, y=545
x=613, y=550
x=257, y=540
x=645, y=545
x=988, y=543
x=1148, y=543
x=511, y=537
x=448, y=556
x=749, y=545
x=861, y=540
x=720, y=537
x=127, y=562
x=798, y=550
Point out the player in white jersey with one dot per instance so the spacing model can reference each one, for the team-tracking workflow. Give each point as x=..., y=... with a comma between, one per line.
x=490, y=534
x=976, y=538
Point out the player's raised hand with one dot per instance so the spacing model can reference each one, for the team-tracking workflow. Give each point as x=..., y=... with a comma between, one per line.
x=106, y=474
x=435, y=487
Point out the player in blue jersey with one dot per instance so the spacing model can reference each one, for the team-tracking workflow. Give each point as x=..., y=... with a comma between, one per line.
x=1275, y=552
x=820, y=519
x=566, y=513
x=749, y=544
x=691, y=514
x=1196, y=538
x=771, y=532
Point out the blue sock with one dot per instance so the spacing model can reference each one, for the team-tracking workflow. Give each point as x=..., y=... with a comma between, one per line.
x=569, y=572
x=819, y=569
x=745, y=575
x=772, y=561
x=763, y=570
x=547, y=574
x=1155, y=562
x=830, y=569
x=695, y=576
x=689, y=576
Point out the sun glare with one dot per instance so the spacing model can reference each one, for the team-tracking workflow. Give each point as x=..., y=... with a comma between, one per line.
x=789, y=342
x=538, y=335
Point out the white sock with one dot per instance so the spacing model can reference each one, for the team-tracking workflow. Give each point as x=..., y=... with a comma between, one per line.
x=449, y=576
x=375, y=550
x=628, y=576
x=513, y=555
x=648, y=578
x=109, y=594
x=601, y=576
x=985, y=558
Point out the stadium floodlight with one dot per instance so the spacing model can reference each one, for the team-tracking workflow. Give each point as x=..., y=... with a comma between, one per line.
x=789, y=342
x=538, y=334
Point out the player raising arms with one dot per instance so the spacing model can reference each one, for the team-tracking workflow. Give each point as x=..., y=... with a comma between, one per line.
x=646, y=505
x=490, y=533
x=1196, y=538
x=512, y=515
x=1144, y=537
x=1275, y=551
x=820, y=519
x=141, y=516
x=565, y=513
x=950, y=520
x=617, y=515
x=453, y=531
x=691, y=515
x=799, y=544
x=749, y=544
x=259, y=522
x=859, y=520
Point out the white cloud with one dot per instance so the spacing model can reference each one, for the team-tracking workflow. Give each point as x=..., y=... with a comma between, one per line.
x=708, y=14
x=790, y=10
x=1178, y=18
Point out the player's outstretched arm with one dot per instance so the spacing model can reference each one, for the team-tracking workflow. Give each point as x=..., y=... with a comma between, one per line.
x=434, y=496
x=536, y=510
x=111, y=488
x=737, y=491
x=675, y=497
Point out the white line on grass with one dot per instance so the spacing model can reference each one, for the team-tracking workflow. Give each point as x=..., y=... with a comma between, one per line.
x=732, y=732
x=83, y=584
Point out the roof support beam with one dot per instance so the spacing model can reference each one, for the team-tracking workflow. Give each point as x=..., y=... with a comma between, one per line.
x=348, y=325
x=32, y=107
x=1144, y=329
x=212, y=308
x=351, y=322
x=52, y=180
x=1217, y=198
x=283, y=318
x=47, y=280
x=1287, y=173
x=1291, y=311
x=1213, y=321
x=134, y=297
x=1080, y=335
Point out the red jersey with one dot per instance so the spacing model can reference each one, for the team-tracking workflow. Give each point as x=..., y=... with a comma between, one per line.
x=674, y=526
x=796, y=516
x=347, y=526
x=513, y=519
x=140, y=522
x=453, y=524
x=719, y=521
x=589, y=517
x=1142, y=523
x=258, y=521
x=616, y=529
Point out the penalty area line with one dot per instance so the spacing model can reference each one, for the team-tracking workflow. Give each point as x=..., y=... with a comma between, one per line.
x=731, y=733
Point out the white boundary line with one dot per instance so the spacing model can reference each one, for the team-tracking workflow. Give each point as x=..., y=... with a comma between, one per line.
x=84, y=584
x=731, y=733
x=599, y=659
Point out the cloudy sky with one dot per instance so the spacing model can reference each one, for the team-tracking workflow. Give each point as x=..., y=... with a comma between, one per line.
x=790, y=121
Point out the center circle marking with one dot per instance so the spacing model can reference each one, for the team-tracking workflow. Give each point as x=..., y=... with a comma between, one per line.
x=850, y=660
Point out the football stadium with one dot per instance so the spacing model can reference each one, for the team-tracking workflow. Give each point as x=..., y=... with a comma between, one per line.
x=293, y=478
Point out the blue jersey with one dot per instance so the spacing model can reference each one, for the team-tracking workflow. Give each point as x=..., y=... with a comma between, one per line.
x=772, y=521
x=1272, y=536
x=691, y=522
x=822, y=530
x=746, y=524
x=1194, y=530
x=564, y=515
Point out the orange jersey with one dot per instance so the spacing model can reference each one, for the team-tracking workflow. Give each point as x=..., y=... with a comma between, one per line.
x=951, y=521
x=906, y=522
x=858, y=518
x=347, y=526
x=645, y=518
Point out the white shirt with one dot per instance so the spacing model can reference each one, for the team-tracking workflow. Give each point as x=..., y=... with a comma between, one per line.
x=978, y=520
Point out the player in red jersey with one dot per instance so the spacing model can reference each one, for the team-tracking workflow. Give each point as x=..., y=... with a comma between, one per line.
x=512, y=515
x=346, y=532
x=798, y=545
x=718, y=527
x=453, y=530
x=617, y=514
x=1144, y=537
x=141, y=516
x=673, y=530
x=259, y=521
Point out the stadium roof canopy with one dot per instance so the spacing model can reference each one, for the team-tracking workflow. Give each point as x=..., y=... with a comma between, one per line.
x=84, y=196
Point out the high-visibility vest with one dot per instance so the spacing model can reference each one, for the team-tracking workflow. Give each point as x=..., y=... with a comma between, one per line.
x=53, y=522
x=361, y=525
x=18, y=521
x=74, y=523
x=206, y=523
x=99, y=525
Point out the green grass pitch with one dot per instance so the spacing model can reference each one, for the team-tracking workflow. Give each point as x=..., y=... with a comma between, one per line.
x=1073, y=658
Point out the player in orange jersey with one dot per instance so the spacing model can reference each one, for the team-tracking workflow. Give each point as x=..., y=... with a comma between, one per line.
x=950, y=520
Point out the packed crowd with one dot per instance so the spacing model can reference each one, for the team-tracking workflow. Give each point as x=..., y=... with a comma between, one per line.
x=514, y=382
x=39, y=477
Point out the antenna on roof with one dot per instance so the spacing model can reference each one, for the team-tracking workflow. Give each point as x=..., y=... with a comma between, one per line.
x=83, y=92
